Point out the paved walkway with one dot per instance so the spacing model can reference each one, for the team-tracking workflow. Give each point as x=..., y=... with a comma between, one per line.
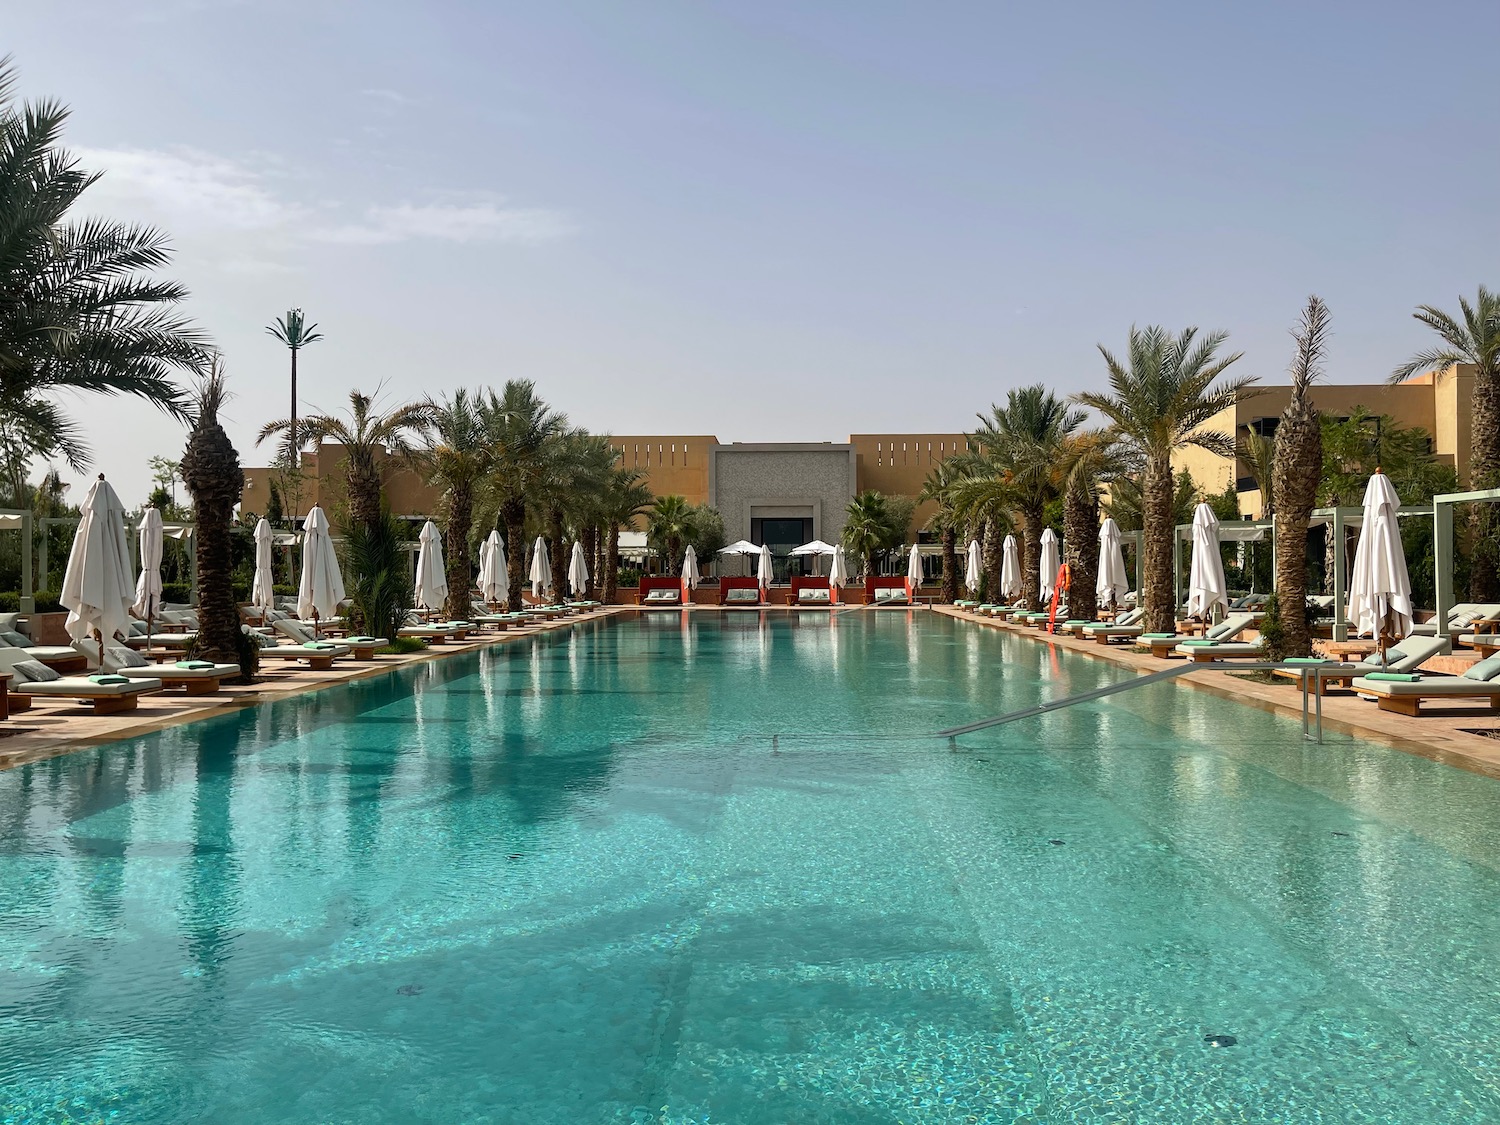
x=1443, y=731
x=51, y=728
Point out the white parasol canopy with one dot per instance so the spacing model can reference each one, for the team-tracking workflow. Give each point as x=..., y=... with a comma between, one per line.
x=690, y=573
x=816, y=547
x=973, y=568
x=914, y=568
x=148, y=585
x=493, y=578
x=1206, y=585
x=432, y=580
x=1010, y=569
x=1111, y=584
x=1380, y=589
x=262, y=592
x=541, y=572
x=764, y=571
x=1049, y=562
x=578, y=571
x=97, y=586
x=838, y=570
x=740, y=547
x=322, y=585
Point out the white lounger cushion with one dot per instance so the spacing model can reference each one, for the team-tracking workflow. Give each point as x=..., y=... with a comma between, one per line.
x=81, y=688
x=168, y=672
x=1223, y=648
x=1429, y=685
x=294, y=652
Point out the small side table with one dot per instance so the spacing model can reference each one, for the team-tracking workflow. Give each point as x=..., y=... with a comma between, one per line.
x=1343, y=650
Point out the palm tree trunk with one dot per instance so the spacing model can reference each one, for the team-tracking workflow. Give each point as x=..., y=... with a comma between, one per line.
x=1298, y=468
x=1081, y=548
x=1156, y=517
x=557, y=553
x=460, y=578
x=993, y=549
x=588, y=538
x=1484, y=472
x=1032, y=518
x=364, y=494
x=949, y=593
x=612, y=564
x=513, y=512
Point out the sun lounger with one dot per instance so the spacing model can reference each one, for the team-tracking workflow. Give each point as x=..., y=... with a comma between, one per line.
x=1163, y=645
x=1405, y=657
x=1487, y=644
x=1404, y=696
x=60, y=658
x=1207, y=651
x=108, y=694
x=319, y=656
x=1123, y=627
x=196, y=677
x=1460, y=617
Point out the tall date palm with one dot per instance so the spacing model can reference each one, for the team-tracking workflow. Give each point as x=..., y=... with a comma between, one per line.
x=211, y=471
x=79, y=309
x=1160, y=396
x=1473, y=338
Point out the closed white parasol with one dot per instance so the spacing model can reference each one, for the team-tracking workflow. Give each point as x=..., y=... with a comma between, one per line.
x=432, y=579
x=765, y=571
x=1380, y=589
x=973, y=568
x=541, y=572
x=1010, y=570
x=690, y=573
x=838, y=570
x=492, y=570
x=148, y=585
x=1111, y=584
x=1049, y=563
x=1206, y=585
x=914, y=569
x=98, y=586
x=578, y=571
x=262, y=592
x=322, y=587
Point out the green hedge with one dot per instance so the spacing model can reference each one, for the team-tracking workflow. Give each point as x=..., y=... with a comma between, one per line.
x=45, y=603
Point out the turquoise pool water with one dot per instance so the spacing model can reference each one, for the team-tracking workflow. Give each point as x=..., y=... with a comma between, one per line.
x=638, y=872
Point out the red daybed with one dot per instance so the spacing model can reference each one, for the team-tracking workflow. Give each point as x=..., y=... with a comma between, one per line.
x=661, y=592
x=889, y=591
x=812, y=582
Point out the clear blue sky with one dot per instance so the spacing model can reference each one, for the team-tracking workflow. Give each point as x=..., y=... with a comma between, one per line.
x=775, y=220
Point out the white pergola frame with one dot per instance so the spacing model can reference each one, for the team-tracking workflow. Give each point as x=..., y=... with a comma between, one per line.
x=1338, y=520
x=133, y=540
x=1442, y=546
x=19, y=519
x=1184, y=533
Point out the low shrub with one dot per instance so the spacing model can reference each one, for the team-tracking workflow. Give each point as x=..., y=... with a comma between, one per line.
x=403, y=645
x=177, y=593
x=45, y=603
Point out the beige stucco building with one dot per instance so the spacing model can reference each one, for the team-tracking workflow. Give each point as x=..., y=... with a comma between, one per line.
x=1437, y=402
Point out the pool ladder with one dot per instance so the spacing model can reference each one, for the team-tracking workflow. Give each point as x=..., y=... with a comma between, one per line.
x=1310, y=674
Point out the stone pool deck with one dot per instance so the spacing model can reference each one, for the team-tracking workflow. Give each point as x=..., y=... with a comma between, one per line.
x=50, y=728
x=1443, y=731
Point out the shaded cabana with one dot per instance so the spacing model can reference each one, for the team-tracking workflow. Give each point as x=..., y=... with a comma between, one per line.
x=739, y=590
x=812, y=590
x=661, y=591
x=882, y=589
x=1232, y=531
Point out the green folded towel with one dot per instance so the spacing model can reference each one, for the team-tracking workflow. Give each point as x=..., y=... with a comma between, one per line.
x=194, y=665
x=1199, y=642
x=1077, y=621
x=1157, y=636
x=108, y=678
x=1307, y=660
x=1398, y=677
x=318, y=644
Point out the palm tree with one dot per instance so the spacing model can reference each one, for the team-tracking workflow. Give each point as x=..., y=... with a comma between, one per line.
x=1296, y=470
x=872, y=525
x=576, y=464
x=294, y=332
x=455, y=456
x=1158, y=400
x=78, y=309
x=669, y=525
x=1257, y=453
x=365, y=435
x=626, y=496
x=1087, y=460
x=521, y=430
x=938, y=488
x=1023, y=441
x=211, y=472
x=1474, y=339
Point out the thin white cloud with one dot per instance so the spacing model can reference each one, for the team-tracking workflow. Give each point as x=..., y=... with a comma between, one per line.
x=477, y=222
x=190, y=192
x=184, y=186
x=394, y=97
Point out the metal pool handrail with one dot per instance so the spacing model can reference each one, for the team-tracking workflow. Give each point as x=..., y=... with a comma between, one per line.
x=1313, y=671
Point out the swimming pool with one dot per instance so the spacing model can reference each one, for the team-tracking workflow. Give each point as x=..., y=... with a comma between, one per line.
x=652, y=871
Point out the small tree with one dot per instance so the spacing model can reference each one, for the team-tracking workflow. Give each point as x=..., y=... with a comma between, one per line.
x=211, y=471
